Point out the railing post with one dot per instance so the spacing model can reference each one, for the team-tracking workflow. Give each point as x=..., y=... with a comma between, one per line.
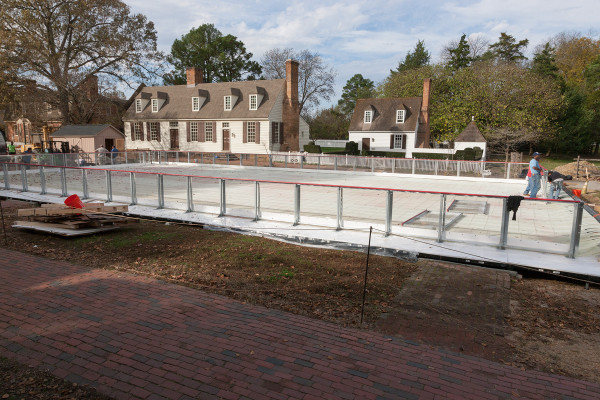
x=227, y=158
x=188, y=157
x=84, y=184
x=63, y=182
x=133, y=189
x=372, y=163
x=256, y=160
x=177, y=156
x=507, y=170
x=24, y=178
x=388, y=212
x=161, y=192
x=190, y=195
x=355, y=161
x=42, y=180
x=504, y=226
x=125, y=157
x=6, y=179
x=414, y=162
x=108, y=186
x=340, y=208
x=457, y=168
x=223, y=199
x=297, y=205
x=256, y=201
x=436, y=166
x=201, y=158
x=442, y=219
x=393, y=166
x=241, y=160
x=319, y=161
x=213, y=158
x=301, y=161
x=576, y=229
x=286, y=161
x=335, y=163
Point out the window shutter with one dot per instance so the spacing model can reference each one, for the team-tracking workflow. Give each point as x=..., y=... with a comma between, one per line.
x=281, y=133
x=158, y=130
x=214, y=124
x=245, y=134
x=189, y=133
x=148, y=131
x=404, y=141
x=202, y=136
x=257, y=132
x=392, y=141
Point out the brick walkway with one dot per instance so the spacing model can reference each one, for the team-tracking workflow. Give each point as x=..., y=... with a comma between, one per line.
x=135, y=337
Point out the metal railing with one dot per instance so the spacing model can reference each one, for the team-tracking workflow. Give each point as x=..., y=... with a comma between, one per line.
x=483, y=169
x=482, y=219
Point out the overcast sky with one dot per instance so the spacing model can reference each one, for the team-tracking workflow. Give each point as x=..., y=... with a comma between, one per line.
x=368, y=37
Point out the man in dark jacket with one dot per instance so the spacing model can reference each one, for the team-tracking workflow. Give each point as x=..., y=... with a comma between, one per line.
x=556, y=183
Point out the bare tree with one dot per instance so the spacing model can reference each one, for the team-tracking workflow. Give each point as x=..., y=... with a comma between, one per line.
x=477, y=46
x=61, y=43
x=315, y=80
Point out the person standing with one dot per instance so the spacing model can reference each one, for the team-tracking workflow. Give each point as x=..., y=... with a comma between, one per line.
x=114, y=152
x=12, y=150
x=536, y=174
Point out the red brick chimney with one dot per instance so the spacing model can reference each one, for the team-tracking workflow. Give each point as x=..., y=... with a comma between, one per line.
x=194, y=76
x=424, y=131
x=291, y=109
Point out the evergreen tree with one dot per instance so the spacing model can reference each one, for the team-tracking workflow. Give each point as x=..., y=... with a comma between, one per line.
x=418, y=58
x=356, y=88
x=544, y=62
x=460, y=55
x=507, y=49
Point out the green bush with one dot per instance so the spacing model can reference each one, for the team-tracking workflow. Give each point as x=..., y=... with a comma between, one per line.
x=387, y=154
x=432, y=156
x=351, y=148
x=312, y=148
x=469, y=154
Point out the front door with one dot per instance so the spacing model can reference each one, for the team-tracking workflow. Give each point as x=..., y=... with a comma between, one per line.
x=366, y=144
x=174, y=139
x=226, y=140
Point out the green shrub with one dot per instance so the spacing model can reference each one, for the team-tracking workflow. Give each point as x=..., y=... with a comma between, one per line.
x=312, y=148
x=469, y=154
x=351, y=148
x=432, y=156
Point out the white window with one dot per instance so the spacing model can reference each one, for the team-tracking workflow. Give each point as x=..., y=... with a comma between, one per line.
x=397, y=141
x=138, y=105
x=368, y=117
x=194, y=131
x=253, y=102
x=154, y=105
x=227, y=103
x=174, y=124
x=138, y=133
x=195, y=103
x=400, y=116
x=153, y=130
x=208, y=131
x=251, y=137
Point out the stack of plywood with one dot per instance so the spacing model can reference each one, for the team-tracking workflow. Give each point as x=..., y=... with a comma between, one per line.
x=67, y=221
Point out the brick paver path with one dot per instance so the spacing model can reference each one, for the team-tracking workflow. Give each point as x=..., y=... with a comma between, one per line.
x=135, y=337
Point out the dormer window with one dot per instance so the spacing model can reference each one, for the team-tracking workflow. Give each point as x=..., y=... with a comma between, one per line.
x=154, y=105
x=400, y=116
x=138, y=105
x=195, y=103
x=253, y=102
x=368, y=116
x=227, y=103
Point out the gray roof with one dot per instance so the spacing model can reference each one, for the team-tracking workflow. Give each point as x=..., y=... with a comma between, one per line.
x=178, y=104
x=470, y=134
x=82, y=130
x=384, y=118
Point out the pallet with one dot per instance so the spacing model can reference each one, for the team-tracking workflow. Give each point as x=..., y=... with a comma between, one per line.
x=61, y=219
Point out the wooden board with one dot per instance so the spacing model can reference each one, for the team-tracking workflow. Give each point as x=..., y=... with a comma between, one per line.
x=59, y=229
x=61, y=209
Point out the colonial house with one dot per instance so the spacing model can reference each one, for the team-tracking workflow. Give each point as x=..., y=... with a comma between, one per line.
x=471, y=137
x=398, y=125
x=32, y=112
x=239, y=117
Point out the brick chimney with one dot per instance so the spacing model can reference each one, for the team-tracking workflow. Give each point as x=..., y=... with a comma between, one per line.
x=291, y=109
x=194, y=76
x=424, y=132
x=91, y=87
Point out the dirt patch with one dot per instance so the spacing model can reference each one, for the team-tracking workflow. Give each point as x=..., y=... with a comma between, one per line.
x=572, y=168
x=530, y=323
